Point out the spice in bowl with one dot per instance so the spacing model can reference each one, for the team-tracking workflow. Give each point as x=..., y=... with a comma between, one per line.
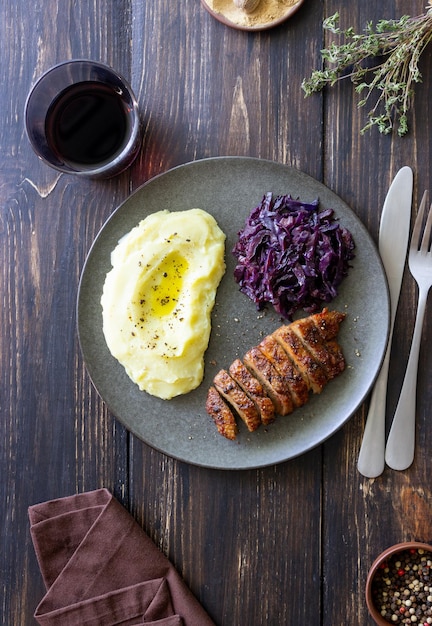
x=251, y=14
x=399, y=585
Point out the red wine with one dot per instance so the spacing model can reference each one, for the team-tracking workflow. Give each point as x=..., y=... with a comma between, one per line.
x=87, y=124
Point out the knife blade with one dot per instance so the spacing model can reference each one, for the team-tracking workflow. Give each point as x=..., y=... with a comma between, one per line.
x=392, y=246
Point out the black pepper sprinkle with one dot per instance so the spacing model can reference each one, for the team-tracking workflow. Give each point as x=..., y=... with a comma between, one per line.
x=401, y=588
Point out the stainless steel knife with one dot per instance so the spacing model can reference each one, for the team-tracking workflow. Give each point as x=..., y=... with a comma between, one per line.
x=392, y=244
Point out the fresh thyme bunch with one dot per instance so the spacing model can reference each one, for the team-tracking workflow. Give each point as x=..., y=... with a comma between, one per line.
x=385, y=57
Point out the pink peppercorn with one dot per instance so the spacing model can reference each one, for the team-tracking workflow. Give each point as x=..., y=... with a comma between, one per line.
x=402, y=588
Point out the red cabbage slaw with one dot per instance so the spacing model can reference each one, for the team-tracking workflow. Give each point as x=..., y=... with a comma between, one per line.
x=291, y=255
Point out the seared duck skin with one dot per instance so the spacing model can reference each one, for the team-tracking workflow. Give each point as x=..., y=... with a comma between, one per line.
x=277, y=376
x=275, y=353
x=272, y=381
x=222, y=415
x=253, y=388
x=311, y=370
x=319, y=340
x=234, y=395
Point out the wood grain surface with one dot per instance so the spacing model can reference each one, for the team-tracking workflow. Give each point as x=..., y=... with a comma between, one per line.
x=287, y=545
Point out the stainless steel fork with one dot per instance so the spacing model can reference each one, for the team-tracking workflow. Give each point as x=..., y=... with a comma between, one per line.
x=401, y=440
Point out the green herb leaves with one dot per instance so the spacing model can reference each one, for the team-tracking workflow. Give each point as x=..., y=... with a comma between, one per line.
x=384, y=59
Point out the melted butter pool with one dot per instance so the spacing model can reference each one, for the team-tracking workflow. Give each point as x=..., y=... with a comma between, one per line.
x=162, y=290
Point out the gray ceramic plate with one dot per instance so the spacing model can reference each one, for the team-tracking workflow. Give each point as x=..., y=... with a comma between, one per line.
x=228, y=188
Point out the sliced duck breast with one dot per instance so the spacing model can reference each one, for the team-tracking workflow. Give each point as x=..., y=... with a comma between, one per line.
x=221, y=414
x=272, y=381
x=277, y=375
x=311, y=370
x=238, y=399
x=328, y=323
x=308, y=332
x=297, y=386
x=250, y=385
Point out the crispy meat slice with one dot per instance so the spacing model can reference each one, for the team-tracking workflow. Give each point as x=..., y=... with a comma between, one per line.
x=297, y=386
x=237, y=399
x=253, y=388
x=272, y=381
x=311, y=371
x=222, y=415
x=334, y=348
x=328, y=323
x=308, y=332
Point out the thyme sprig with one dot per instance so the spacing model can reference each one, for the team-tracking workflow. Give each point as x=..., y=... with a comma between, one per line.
x=385, y=58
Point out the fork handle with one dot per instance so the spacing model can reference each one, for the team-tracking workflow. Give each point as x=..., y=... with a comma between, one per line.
x=401, y=440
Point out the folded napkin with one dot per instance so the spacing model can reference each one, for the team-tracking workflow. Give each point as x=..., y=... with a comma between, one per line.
x=101, y=569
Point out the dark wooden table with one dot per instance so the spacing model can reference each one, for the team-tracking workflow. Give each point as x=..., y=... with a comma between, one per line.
x=289, y=544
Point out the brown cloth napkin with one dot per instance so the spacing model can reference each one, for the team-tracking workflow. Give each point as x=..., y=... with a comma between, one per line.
x=101, y=569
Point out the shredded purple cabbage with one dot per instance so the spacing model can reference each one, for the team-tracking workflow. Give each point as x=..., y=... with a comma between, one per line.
x=292, y=255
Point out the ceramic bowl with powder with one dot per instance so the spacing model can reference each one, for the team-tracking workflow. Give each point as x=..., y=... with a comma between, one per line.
x=267, y=14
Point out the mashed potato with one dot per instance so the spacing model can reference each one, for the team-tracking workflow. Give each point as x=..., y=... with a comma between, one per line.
x=158, y=297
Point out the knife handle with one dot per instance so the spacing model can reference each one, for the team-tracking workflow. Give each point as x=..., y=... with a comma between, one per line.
x=371, y=457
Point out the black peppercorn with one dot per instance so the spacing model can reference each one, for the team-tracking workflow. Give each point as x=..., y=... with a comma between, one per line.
x=401, y=591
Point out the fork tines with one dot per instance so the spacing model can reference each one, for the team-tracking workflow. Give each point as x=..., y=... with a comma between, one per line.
x=421, y=234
